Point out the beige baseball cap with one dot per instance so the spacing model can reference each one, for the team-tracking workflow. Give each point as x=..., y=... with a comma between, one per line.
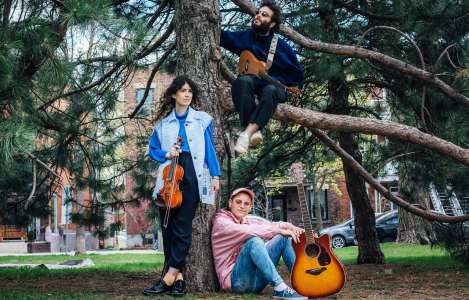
x=243, y=190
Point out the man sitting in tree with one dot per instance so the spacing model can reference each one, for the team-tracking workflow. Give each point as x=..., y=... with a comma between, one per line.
x=284, y=68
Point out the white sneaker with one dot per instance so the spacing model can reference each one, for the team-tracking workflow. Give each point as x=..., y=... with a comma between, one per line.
x=242, y=144
x=256, y=138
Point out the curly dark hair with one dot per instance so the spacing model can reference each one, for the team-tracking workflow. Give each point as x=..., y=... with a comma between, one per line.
x=167, y=101
x=277, y=16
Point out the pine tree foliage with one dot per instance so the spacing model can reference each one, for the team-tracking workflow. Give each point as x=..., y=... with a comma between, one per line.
x=63, y=65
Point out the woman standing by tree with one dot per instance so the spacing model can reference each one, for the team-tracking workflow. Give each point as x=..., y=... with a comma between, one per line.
x=198, y=158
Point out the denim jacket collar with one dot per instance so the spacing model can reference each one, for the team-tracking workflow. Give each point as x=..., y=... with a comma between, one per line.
x=191, y=116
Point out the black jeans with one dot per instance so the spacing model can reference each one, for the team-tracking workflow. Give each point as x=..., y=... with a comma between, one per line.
x=243, y=92
x=177, y=236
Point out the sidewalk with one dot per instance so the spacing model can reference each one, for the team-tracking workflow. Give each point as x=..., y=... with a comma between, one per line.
x=99, y=252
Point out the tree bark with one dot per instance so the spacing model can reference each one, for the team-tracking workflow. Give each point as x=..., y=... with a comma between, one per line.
x=197, y=38
x=414, y=229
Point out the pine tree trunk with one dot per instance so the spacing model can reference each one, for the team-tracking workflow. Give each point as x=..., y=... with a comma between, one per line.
x=414, y=229
x=369, y=251
x=197, y=39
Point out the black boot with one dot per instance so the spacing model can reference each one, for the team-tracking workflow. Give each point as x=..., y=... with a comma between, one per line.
x=159, y=288
x=179, y=288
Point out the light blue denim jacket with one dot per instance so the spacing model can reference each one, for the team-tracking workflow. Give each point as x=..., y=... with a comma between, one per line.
x=167, y=131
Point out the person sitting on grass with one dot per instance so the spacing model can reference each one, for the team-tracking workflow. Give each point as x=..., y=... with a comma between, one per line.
x=246, y=251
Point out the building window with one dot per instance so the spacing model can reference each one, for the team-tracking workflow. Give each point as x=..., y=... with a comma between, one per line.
x=146, y=109
x=66, y=217
x=324, y=205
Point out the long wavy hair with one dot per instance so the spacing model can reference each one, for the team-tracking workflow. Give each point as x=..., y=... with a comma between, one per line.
x=168, y=102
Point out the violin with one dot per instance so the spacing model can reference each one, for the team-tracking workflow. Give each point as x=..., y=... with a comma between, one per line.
x=172, y=175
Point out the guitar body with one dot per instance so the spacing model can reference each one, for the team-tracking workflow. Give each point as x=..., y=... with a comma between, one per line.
x=249, y=64
x=317, y=272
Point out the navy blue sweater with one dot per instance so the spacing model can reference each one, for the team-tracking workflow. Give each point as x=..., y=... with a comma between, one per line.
x=285, y=66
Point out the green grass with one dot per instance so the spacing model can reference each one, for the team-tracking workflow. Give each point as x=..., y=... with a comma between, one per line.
x=424, y=258
x=103, y=263
x=111, y=262
x=421, y=255
x=28, y=295
x=60, y=295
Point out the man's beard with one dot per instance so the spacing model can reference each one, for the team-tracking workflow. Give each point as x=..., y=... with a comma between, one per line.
x=262, y=29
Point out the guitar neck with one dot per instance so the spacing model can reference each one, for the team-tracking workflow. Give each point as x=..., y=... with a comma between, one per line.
x=271, y=80
x=305, y=213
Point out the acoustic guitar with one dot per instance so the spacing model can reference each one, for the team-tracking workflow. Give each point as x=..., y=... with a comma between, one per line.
x=250, y=65
x=317, y=272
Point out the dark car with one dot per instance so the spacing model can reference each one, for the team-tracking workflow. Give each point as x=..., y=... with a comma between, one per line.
x=386, y=226
x=343, y=234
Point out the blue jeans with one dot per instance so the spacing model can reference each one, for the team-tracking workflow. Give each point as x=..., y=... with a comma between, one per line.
x=255, y=265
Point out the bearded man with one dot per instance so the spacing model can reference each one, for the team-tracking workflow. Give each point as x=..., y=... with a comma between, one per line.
x=283, y=67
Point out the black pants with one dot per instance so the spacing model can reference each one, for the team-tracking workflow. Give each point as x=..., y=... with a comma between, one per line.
x=177, y=236
x=243, y=92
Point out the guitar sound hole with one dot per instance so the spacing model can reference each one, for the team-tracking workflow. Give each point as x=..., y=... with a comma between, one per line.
x=312, y=250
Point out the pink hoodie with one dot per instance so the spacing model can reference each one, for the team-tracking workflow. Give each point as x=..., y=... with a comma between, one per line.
x=228, y=236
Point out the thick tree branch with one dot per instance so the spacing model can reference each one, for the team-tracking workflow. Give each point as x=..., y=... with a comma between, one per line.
x=348, y=159
x=343, y=123
x=358, y=52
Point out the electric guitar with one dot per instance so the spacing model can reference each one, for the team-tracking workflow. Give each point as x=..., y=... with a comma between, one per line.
x=250, y=65
x=317, y=272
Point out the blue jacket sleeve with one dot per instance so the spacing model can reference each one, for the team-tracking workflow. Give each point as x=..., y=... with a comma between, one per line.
x=231, y=41
x=287, y=67
x=210, y=154
x=154, y=150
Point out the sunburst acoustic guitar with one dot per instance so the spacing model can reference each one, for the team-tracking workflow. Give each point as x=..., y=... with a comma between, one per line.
x=249, y=64
x=317, y=272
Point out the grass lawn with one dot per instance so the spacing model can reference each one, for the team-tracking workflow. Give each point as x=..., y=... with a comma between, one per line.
x=419, y=255
x=126, y=262
x=123, y=276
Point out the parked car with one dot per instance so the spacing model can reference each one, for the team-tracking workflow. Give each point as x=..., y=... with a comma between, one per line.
x=386, y=226
x=343, y=234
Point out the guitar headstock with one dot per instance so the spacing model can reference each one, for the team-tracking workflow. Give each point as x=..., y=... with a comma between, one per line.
x=297, y=172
